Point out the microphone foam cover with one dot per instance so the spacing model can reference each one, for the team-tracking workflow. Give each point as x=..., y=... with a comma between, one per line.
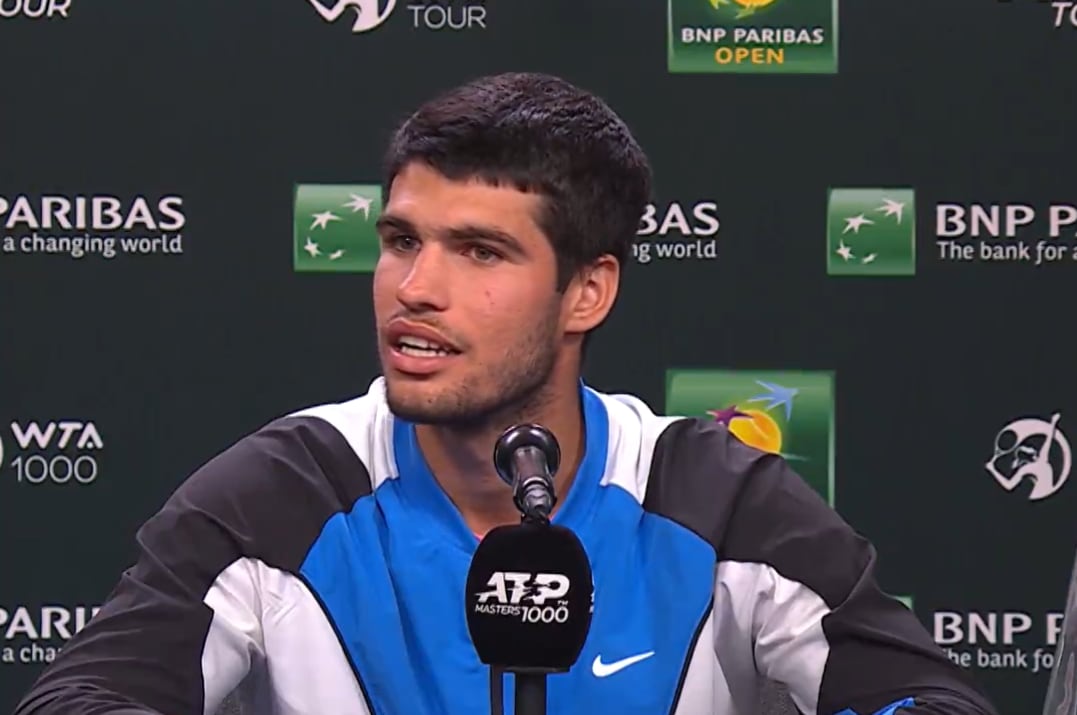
x=529, y=598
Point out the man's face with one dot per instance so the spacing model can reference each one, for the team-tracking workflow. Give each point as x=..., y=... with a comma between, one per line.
x=468, y=318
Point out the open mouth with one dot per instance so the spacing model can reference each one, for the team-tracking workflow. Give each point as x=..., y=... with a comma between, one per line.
x=421, y=347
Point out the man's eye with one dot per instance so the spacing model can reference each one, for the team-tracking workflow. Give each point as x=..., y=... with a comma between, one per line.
x=484, y=254
x=400, y=242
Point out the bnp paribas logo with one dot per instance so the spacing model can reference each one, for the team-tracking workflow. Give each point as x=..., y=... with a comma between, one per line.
x=871, y=232
x=789, y=413
x=334, y=227
x=753, y=36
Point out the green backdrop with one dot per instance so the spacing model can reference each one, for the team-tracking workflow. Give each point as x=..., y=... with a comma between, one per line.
x=861, y=254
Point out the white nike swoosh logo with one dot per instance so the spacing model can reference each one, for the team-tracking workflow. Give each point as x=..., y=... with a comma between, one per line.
x=601, y=670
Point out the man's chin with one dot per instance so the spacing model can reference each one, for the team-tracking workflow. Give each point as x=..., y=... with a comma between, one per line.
x=435, y=409
x=416, y=402
x=430, y=415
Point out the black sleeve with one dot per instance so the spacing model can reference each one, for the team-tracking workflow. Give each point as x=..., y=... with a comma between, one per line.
x=821, y=625
x=182, y=627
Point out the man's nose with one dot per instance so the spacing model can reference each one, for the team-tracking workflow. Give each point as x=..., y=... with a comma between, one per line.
x=425, y=287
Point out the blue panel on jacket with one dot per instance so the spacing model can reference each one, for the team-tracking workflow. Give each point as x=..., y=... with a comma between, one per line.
x=391, y=577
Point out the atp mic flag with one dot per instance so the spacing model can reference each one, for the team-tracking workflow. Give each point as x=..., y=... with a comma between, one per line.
x=529, y=598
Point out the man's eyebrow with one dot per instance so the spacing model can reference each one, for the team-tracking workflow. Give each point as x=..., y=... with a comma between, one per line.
x=387, y=221
x=473, y=232
x=458, y=234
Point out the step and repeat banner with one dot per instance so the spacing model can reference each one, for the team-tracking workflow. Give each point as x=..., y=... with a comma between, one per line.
x=861, y=254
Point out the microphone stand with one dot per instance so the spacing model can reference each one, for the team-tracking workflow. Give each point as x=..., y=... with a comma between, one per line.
x=529, y=696
x=526, y=457
x=530, y=692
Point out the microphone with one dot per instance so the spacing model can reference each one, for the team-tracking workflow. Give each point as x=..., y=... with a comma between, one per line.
x=529, y=589
x=526, y=458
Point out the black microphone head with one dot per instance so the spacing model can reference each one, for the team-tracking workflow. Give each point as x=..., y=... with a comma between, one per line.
x=525, y=435
x=528, y=598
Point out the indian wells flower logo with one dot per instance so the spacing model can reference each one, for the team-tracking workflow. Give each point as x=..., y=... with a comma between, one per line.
x=752, y=36
x=785, y=412
x=754, y=426
x=747, y=7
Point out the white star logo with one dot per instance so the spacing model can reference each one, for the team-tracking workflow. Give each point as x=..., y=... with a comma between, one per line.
x=844, y=251
x=853, y=223
x=892, y=208
x=322, y=220
x=336, y=254
x=869, y=258
x=358, y=203
x=311, y=248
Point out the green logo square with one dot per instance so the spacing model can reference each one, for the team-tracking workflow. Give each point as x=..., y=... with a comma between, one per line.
x=753, y=36
x=871, y=232
x=333, y=228
x=790, y=413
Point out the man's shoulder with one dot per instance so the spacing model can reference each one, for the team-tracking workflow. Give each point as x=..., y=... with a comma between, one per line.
x=363, y=422
x=697, y=473
x=319, y=440
x=656, y=456
x=633, y=418
x=273, y=490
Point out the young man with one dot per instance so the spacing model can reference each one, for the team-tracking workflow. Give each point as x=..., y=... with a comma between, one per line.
x=318, y=565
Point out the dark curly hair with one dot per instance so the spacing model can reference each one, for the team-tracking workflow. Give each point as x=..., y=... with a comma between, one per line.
x=541, y=134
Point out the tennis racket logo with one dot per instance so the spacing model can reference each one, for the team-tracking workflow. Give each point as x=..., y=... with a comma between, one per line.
x=1033, y=450
x=368, y=16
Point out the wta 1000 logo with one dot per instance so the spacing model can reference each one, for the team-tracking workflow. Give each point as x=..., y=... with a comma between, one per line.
x=56, y=452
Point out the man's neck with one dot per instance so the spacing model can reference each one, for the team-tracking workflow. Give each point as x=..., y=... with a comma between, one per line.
x=462, y=460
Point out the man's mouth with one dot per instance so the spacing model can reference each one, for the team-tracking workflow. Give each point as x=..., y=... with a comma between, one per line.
x=421, y=347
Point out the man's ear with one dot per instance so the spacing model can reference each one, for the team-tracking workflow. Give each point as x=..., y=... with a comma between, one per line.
x=590, y=295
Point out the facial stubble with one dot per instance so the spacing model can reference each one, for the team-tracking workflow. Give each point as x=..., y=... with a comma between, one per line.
x=492, y=396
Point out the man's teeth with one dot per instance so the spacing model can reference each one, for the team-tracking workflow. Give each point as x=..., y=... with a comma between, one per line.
x=421, y=347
